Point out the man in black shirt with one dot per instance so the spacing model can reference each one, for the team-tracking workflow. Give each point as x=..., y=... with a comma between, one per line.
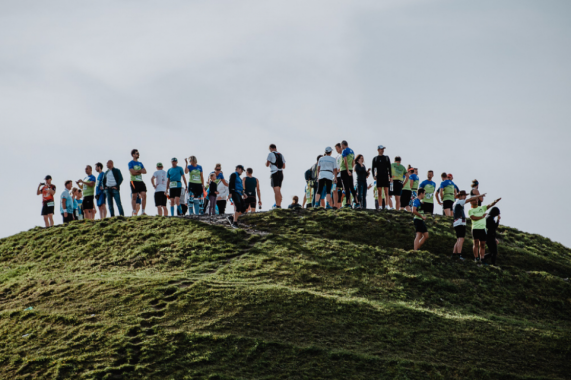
x=381, y=168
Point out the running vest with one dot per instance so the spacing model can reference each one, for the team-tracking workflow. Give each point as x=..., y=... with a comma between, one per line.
x=251, y=186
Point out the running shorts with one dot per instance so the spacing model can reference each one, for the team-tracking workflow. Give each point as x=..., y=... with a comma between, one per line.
x=397, y=188
x=174, y=192
x=405, y=198
x=196, y=189
x=47, y=207
x=138, y=187
x=277, y=178
x=101, y=198
x=448, y=205
x=479, y=234
x=460, y=231
x=384, y=182
x=160, y=199
x=69, y=217
x=88, y=203
x=428, y=208
x=420, y=226
x=250, y=202
x=238, y=202
x=324, y=185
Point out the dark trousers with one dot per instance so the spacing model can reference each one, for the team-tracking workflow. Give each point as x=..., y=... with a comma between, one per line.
x=114, y=194
x=493, y=248
x=212, y=208
x=221, y=206
x=348, y=186
x=362, y=194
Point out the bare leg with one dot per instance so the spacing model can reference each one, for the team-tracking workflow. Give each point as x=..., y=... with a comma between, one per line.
x=278, y=196
x=476, y=247
x=482, y=249
x=51, y=218
x=134, y=202
x=144, y=200
x=46, y=221
x=397, y=202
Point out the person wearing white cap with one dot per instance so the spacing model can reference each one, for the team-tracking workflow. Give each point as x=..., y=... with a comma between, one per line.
x=327, y=169
x=382, y=173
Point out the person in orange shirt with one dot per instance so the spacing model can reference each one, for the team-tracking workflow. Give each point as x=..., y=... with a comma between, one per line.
x=47, y=190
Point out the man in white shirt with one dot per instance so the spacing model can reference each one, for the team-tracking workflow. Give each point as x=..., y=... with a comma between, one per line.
x=327, y=169
x=159, y=181
x=276, y=162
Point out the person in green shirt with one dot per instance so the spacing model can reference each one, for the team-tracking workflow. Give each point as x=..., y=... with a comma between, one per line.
x=398, y=172
x=406, y=193
x=429, y=187
x=477, y=215
x=88, y=186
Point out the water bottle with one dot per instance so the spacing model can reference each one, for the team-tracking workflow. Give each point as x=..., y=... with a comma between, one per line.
x=391, y=186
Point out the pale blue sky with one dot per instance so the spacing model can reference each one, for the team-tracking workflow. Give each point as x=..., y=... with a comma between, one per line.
x=481, y=89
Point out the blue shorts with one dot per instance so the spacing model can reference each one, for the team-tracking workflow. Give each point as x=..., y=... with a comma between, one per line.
x=101, y=199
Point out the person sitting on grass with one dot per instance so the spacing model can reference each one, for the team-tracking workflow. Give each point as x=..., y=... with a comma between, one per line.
x=295, y=204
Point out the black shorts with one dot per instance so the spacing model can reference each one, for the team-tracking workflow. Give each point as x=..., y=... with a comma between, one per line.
x=428, y=208
x=250, y=202
x=69, y=217
x=47, y=207
x=138, y=187
x=239, y=202
x=326, y=184
x=460, y=231
x=384, y=182
x=479, y=235
x=88, y=203
x=196, y=189
x=405, y=198
x=448, y=205
x=397, y=188
x=160, y=199
x=277, y=178
x=174, y=192
x=420, y=226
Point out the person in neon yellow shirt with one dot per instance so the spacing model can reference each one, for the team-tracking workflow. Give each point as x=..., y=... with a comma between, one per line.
x=398, y=175
x=478, y=217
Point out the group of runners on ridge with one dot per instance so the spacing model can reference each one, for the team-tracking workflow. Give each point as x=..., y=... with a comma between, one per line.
x=330, y=183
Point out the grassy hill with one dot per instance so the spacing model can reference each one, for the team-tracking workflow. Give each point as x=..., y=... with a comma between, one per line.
x=296, y=295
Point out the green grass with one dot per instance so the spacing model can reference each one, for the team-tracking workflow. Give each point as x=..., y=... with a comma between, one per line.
x=318, y=295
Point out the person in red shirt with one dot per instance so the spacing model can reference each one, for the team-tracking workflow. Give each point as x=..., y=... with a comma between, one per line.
x=47, y=190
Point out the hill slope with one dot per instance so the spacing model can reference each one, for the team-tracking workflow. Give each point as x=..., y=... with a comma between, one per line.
x=298, y=295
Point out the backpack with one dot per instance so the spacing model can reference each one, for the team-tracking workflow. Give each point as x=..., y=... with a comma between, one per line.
x=308, y=174
x=279, y=160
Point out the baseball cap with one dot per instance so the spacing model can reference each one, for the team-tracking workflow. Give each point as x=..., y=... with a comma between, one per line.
x=174, y=159
x=328, y=150
x=450, y=176
x=159, y=165
x=381, y=147
x=240, y=167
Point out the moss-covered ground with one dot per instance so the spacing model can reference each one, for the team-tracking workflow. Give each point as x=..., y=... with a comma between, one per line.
x=317, y=295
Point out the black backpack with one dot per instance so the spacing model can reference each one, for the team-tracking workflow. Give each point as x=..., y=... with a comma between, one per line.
x=309, y=174
x=279, y=160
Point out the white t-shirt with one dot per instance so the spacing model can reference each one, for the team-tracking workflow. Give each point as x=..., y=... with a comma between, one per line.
x=222, y=191
x=326, y=165
x=339, y=159
x=183, y=200
x=272, y=159
x=111, y=182
x=459, y=217
x=161, y=180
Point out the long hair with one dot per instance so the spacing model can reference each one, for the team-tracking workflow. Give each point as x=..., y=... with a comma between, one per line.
x=193, y=160
x=359, y=156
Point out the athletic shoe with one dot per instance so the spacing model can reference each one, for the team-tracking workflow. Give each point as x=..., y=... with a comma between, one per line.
x=234, y=225
x=461, y=258
x=230, y=219
x=329, y=208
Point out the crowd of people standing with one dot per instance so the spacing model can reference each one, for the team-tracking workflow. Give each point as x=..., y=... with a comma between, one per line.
x=330, y=183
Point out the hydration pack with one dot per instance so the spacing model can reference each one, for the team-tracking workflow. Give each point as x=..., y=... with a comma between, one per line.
x=279, y=160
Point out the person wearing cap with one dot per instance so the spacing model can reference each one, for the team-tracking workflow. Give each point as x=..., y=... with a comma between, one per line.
x=381, y=169
x=406, y=193
x=112, y=181
x=478, y=216
x=475, y=191
x=236, y=189
x=47, y=190
x=362, y=174
x=175, y=176
x=459, y=223
x=195, y=183
x=398, y=175
x=326, y=173
x=159, y=182
x=447, y=193
x=100, y=198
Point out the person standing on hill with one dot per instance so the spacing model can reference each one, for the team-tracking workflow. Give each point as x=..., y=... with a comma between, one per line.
x=398, y=175
x=159, y=182
x=406, y=193
x=277, y=163
x=87, y=185
x=236, y=189
x=212, y=194
x=47, y=190
x=100, y=197
x=362, y=175
x=112, y=181
x=66, y=205
x=382, y=173
x=491, y=229
x=137, y=169
x=326, y=174
x=195, y=183
x=346, y=169
x=475, y=191
x=414, y=182
x=447, y=193
x=252, y=188
x=478, y=216
x=175, y=177
x=338, y=182
x=429, y=187
x=460, y=222
x=419, y=221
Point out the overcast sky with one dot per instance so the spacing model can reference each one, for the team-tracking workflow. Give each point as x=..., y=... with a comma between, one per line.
x=480, y=89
